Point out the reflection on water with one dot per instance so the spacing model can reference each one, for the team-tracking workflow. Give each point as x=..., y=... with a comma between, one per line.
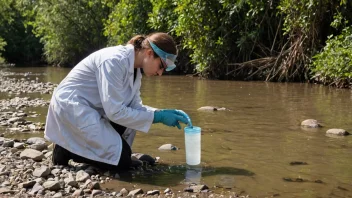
x=250, y=147
x=193, y=175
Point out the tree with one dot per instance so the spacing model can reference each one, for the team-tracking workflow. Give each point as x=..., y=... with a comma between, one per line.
x=70, y=29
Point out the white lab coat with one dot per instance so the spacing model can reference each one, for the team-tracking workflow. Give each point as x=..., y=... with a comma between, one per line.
x=98, y=89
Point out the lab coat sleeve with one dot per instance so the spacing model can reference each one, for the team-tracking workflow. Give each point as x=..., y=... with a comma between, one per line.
x=137, y=104
x=112, y=77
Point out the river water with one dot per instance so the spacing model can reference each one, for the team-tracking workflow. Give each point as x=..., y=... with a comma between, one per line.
x=247, y=149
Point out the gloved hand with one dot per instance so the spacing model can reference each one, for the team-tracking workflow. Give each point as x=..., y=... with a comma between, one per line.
x=171, y=117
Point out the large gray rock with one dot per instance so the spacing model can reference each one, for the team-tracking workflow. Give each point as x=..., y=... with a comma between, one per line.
x=32, y=154
x=36, y=140
x=310, y=123
x=340, y=132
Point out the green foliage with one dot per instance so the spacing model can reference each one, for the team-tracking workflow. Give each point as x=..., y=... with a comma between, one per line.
x=199, y=26
x=162, y=17
x=70, y=29
x=2, y=44
x=334, y=63
x=6, y=16
x=22, y=46
x=128, y=18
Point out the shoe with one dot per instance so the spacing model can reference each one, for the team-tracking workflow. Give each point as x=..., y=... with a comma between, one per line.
x=60, y=156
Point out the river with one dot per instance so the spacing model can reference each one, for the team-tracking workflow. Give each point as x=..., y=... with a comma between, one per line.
x=248, y=148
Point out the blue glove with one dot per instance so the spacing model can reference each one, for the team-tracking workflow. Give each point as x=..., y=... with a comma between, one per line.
x=171, y=117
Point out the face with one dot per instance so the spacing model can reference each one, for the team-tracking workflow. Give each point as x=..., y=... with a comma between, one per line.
x=153, y=66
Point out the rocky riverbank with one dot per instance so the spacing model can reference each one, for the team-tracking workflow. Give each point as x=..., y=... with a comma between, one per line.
x=26, y=170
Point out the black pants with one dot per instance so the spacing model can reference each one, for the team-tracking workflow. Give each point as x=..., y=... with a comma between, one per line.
x=61, y=156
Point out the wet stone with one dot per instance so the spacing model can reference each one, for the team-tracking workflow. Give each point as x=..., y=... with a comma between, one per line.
x=310, y=123
x=135, y=192
x=143, y=157
x=294, y=179
x=135, y=162
x=168, y=147
x=153, y=192
x=211, y=108
x=198, y=188
x=298, y=163
x=339, y=132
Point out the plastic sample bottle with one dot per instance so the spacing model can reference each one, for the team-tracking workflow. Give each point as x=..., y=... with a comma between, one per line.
x=193, y=145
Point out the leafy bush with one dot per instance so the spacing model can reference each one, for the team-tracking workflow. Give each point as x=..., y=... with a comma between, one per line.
x=334, y=64
x=70, y=29
x=128, y=18
x=2, y=45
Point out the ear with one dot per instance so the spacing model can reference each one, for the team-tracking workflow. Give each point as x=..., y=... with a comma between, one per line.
x=149, y=52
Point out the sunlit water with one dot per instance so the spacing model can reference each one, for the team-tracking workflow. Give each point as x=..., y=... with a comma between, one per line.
x=247, y=149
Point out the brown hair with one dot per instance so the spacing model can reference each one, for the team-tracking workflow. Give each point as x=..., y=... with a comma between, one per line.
x=162, y=40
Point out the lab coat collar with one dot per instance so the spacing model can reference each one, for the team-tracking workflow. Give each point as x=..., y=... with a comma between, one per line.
x=130, y=52
x=131, y=55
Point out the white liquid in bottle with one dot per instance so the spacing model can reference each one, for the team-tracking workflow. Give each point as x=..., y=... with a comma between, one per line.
x=193, y=145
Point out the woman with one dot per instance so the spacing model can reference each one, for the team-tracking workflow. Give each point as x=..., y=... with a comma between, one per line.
x=92, y=107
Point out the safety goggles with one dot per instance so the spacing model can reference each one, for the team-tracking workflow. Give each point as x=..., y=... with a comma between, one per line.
x=169, y=59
